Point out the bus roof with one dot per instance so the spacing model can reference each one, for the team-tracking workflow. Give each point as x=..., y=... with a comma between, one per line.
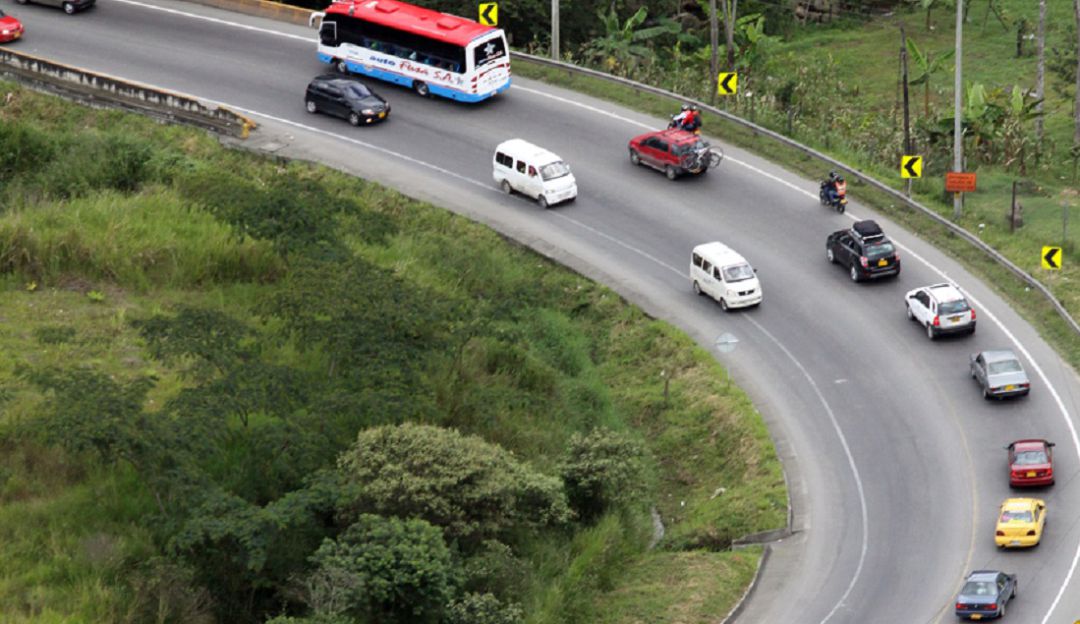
x=411, y=18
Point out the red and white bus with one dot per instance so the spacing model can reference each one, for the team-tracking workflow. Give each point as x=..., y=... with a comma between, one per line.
x=428, y=51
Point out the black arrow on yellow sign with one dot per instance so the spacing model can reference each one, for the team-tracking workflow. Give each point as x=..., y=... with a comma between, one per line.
x=489, y=14
x=727, y=83
x=911, y=167
x=1050, y=257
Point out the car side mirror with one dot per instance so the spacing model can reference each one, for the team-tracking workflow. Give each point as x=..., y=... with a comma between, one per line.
x=1051, y=444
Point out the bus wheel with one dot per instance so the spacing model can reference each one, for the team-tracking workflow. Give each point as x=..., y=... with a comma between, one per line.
x=421, y=88
x=341, y=66
x=69, y=8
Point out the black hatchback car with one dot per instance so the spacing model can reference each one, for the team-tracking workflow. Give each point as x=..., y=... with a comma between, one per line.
x=345, y=97
x=865, y=250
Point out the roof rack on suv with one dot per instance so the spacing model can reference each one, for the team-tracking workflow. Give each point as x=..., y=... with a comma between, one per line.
x=867, y=230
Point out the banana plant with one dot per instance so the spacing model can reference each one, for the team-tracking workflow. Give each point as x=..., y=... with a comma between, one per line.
x=928, y=66
x=623, y=44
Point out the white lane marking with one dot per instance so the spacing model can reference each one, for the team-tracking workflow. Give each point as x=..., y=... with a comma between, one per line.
x=215, y=20
x=850, y=460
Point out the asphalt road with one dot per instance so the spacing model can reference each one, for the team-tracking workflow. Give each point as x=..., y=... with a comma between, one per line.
x=895, y=462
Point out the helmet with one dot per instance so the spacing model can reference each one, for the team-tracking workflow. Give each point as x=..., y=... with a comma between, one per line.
x=685, y=107
x=693, y=107
x=839, y=178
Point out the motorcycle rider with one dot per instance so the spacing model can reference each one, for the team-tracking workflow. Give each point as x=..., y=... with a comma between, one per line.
x=835, y=187
x=692, y=121
x=677, y=121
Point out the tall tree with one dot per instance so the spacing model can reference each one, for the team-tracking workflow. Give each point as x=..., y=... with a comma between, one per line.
x=731, y=8
x=1040, y=70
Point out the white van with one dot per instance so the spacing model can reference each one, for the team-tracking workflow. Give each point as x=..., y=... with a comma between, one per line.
x=720, y=272
x=530, y=170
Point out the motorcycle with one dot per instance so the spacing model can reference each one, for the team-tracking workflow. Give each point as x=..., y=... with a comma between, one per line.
x=837, y=199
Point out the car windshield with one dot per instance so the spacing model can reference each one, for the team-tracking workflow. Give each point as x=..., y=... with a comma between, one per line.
x=738, y=273
x=1005, y=366
x=1015, y=515
x=554, y=170
x=978, y=588
x=1029, y=458
x=357, y=91
x=688, y=148
x=953, y=307
x=879, y=250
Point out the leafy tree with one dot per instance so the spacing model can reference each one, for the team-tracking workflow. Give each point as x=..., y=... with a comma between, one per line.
x=468, y=487
x=603, y=470
x=383, y=571
x=209, y=342
x=482, y=609
x=88, y=411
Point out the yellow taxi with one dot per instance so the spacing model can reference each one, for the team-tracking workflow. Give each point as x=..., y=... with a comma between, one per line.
x=1020, y=522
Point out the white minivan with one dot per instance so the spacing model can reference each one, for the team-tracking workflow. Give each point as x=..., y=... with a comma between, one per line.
x=530, y=170
x=720, y=272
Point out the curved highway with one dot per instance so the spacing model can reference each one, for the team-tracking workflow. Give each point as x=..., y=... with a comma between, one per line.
x=895, y=462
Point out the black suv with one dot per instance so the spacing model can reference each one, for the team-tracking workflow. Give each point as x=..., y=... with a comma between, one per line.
x=346, y=97
x=865, y=250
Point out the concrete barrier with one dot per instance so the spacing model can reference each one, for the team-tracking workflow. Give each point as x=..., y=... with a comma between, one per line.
x=263, y=8
x=104, y=91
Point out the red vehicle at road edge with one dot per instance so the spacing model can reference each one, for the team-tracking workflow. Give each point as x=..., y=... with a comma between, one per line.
x=10, y=28
x=675, y=152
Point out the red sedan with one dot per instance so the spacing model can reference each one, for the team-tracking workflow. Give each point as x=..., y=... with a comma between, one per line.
x=10, y=28
x=1031, y=462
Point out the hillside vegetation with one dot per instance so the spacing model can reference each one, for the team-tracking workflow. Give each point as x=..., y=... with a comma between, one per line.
x=234, y=389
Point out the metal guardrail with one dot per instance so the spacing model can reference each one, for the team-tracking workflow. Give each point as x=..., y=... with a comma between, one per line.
x=877, y=184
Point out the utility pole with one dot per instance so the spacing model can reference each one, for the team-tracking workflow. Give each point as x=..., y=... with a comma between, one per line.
x=908, y=148
x=958, y=131
x=714, y=41
x=555, y=30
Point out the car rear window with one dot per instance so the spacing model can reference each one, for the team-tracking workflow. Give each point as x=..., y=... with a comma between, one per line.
x=554, y=170
x=879, y=250
x=1015, y=515
x=1005, y=366
x=953, y=307
x=1029, y=458
x=978, y=588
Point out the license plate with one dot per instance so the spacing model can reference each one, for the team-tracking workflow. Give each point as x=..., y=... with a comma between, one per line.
x=1010, y=387
x=1031, y=473
x=883, y=262
x=17, y=35
x=976, y=616
x=381, y=115
x=954, y=319
x=1014, y=543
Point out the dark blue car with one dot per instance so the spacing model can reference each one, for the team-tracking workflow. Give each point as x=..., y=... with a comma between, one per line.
x=985, y=594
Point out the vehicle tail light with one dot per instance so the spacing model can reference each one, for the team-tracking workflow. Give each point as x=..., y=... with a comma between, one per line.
x=863, y=261
x=896, y=256
x=1025, y=385
x=960, y=606
x=997, y=389
x=992, y=606
x=1016, y=474
x=973, y=314
x=1000, y=533
x=1031, y=533
x=937, y=321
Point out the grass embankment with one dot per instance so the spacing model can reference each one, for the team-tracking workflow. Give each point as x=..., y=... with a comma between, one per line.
x=333, y=285
x=866, y=77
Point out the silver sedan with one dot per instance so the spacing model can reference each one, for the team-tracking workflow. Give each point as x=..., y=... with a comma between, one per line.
x=1000, y=374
